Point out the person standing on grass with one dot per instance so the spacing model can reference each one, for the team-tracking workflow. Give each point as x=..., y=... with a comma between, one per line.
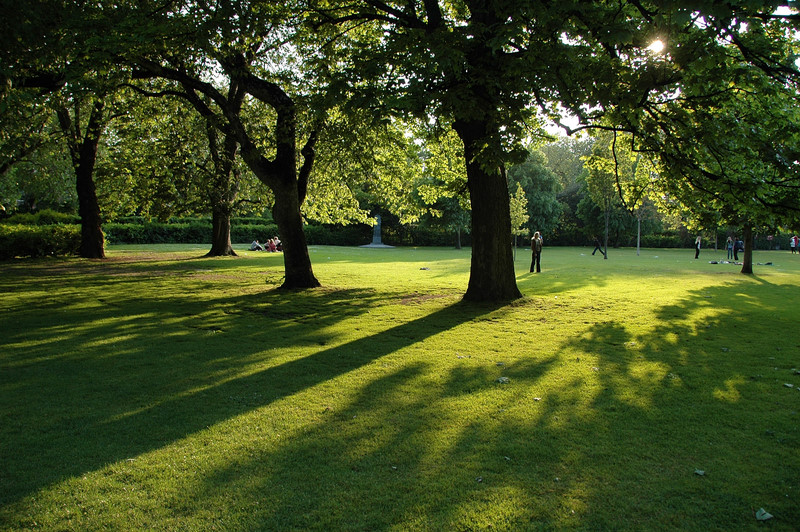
x=729, y=246
x=738, y=246
x=793, y=243
x=598, y=246
x=536, y=252
x=697, y=247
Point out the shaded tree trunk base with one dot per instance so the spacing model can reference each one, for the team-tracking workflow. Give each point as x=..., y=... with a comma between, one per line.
x=747, y=260
x=221, y=253
x=479, y=296
x=92, y=240
x=300, y=284
x=221, y=234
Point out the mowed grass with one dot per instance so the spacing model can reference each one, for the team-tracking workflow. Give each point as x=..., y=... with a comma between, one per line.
x=159, y=390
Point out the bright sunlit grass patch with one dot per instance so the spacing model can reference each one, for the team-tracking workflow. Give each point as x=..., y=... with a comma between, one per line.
x=163, y=390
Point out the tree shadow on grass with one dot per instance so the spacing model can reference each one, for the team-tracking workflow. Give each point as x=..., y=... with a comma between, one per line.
x=396, y=452
x=693, y=393
x=109, y=378
x=612, y=442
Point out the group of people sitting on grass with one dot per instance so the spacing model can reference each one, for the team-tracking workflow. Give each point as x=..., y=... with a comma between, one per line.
x=273, y=244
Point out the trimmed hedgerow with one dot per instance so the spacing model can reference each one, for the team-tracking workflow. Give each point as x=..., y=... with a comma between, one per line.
x=249, y=232
x=335, y=235
x=194, y=232
x=39, y=240
x=199, y=232
x=667, y=240
x=251, y=220
x=44, y=217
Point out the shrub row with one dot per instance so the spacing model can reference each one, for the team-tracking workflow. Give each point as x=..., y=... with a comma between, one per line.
x=236, y=220
x=199, y=232
x=43, y=217
x=392, y=235
x=413, y=235
x=195, y=232
x=336, y=235
x=664, y=241
x=39, y=240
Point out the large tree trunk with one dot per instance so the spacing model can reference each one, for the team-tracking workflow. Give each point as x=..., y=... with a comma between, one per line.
x=747, y=260
x=223, y=191
x=221, y=234
x=492, y=276
x=92, y=239
x=83, y=150
x=282, y=176
x=286, y=212
x=296, y=260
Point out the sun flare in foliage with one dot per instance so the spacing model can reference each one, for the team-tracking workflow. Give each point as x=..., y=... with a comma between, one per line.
x=657, y=46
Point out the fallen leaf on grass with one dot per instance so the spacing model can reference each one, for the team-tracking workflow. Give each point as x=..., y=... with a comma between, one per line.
x=699, y=472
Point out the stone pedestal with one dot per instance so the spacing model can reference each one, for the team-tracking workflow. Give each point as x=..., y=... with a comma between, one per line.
x=376, y=235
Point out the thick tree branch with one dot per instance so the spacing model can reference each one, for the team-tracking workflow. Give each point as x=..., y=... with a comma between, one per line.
x=405, y=19
x=768, y=65
x=434, y=13
x=48, y=81
x=151, y=94
x=309, y=153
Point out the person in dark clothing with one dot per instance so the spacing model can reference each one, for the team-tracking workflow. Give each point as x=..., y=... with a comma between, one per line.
x=536, y=252
x=737, y=247
x=597, y=246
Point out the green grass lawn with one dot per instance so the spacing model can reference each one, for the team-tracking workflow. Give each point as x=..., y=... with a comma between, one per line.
x=159, y=390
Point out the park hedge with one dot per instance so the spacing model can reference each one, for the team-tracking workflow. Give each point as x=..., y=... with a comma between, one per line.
x=193, y=232
x=18, y=240
x=199, y=232
x=43, y=217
